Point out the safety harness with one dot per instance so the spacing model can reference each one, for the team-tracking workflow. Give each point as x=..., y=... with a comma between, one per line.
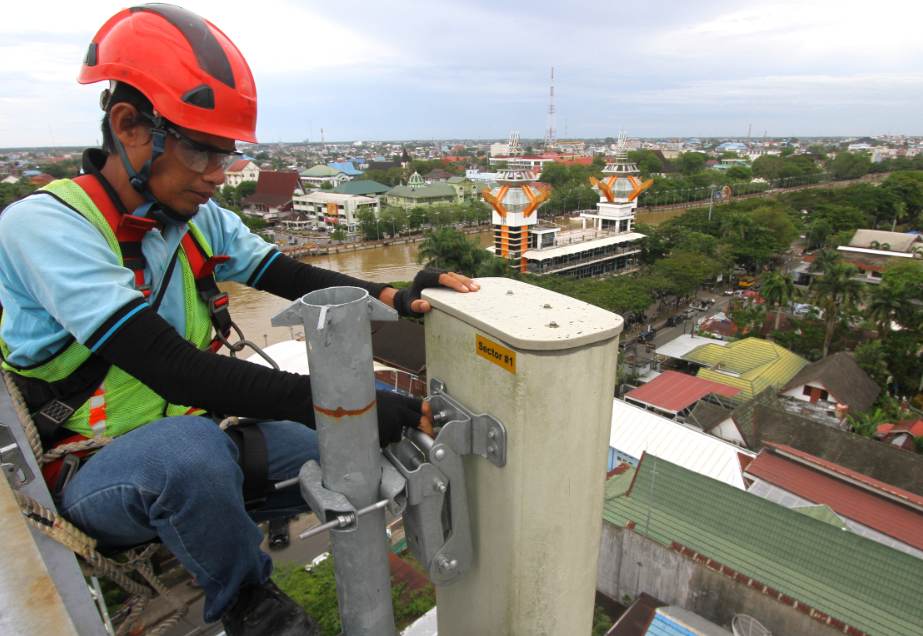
x=53, y=403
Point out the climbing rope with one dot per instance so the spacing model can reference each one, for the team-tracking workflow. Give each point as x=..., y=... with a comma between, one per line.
x=58, y=528
x=67, y=534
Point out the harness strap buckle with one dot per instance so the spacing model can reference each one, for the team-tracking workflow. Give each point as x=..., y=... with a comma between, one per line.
x=135, y=226
x=218, y=310
x=56, y=411
x=208, y=267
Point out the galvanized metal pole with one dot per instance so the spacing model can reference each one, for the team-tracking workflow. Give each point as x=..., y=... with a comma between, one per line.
x=339, y=342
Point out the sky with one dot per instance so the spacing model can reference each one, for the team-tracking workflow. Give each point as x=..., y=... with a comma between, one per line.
x=388, y=70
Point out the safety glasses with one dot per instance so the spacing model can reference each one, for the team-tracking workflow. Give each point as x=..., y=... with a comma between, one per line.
x=200, y=157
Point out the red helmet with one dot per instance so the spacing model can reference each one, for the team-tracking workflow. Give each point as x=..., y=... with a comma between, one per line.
x=189, y=70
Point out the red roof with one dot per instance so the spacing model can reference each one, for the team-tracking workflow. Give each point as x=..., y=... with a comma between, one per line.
x=850, y=494
x=238, y=165
x=674, y=391
x=274, y=189
x=914, y=427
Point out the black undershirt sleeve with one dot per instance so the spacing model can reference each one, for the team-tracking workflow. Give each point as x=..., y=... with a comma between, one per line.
x=291, y=279
x=151, y=350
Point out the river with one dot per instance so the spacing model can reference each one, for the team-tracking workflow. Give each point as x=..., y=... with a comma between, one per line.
x=253, y=309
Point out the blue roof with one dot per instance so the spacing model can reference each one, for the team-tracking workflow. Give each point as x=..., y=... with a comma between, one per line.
x=346, y=167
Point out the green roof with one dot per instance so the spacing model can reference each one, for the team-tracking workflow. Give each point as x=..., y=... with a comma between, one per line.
x=863, y=583
x=320, y=171
x=431, y=191
x=823, y=513
x=362, y=187
x=751, y=365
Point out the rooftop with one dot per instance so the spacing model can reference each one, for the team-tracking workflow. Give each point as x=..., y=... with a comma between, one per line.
x=884, y=241
x=673, y=391
x=636, y=431
x=866, y=585
x=763, y=421
x=751, y=365
x=842, y=377
x=581, y=241
x=681, y=345
x=361, y=187
x=862, y=500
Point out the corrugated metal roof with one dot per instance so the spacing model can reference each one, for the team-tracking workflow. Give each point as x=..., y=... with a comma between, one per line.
x=681, y=345
x=848, y=500
x=673, y=391
x=869, y=586
x=751, y=365
x=635, y=431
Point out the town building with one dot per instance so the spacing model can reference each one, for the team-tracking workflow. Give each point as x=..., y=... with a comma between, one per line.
x=673, y=394
x=719, y=551
x=871, y=251
x=764, y=420
x=831, y=388
x=325, y=210
x=317, y=176
x=608, y=246
x=363, y=187
x=515, y=201
x=240, y=171
x=419, y=193
x=636, y=431
x=850, y=500
x=750, y=365
x=272, y=199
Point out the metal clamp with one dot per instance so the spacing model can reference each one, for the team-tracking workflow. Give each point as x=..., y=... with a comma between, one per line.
x=12, y=462
x=436, y=520
x=334, y=509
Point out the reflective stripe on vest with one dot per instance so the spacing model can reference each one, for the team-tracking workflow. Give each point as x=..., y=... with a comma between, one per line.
x=122, y=403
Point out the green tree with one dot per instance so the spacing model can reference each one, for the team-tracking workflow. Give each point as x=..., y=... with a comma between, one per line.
x=393, y=220
x=768, y=167
x=338, y=234
x=368, y=224
x=849, y=165
x=837, y=292
x=817, y=233
x=417, y=217
x=871, y=358
x=690, y=163
x=778, y=290
x=739, y=173
x=885, y=302
x=447, y=248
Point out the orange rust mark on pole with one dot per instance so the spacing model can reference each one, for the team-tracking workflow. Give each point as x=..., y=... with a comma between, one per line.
x=339, y=411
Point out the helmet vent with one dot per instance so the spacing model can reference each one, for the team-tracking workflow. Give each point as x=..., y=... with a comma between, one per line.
x=207, y=49
x=202, y=96
x=90, y=59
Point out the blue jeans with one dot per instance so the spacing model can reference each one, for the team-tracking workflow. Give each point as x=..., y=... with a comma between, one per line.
x=177, y=479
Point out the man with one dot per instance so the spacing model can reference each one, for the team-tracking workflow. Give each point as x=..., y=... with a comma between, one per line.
x=107, y=284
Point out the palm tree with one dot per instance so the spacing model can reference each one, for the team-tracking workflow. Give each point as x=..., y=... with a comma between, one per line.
x=885, y=302
x=837, y=292
x=778, y=290
x=824, y=259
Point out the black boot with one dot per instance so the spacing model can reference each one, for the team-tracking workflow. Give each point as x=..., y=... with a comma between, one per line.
x=278, y=533
x=264, y=610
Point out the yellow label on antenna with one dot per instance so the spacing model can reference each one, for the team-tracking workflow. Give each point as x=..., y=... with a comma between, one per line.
x=496, y=353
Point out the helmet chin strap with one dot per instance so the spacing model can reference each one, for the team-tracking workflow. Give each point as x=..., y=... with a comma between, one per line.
x=139, y=179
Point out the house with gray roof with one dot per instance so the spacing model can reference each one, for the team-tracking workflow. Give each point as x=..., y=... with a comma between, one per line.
x=830, y=388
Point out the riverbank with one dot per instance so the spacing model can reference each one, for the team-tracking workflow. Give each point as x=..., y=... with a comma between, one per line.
x=299, y=251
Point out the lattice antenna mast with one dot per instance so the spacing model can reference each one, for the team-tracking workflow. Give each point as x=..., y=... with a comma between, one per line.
x=515, y=148
x=549, y=133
